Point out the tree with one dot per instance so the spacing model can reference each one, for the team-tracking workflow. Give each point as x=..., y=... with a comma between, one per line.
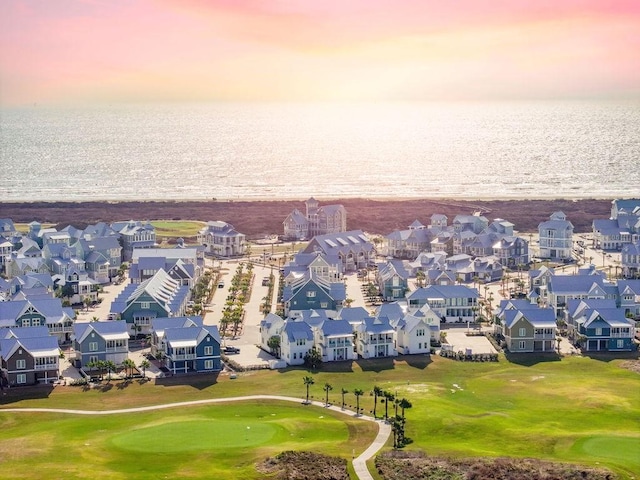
x=144, y=364
x=388, y=396
x=344, y=391
x=405, y=404
x=110, y=366
x=128, y=366
x=274, y=345
x=313, y=359
x=358, y=393
x=327, y=389
x=87, y=302
x=95, y=319
x=308, y=381
x=377, y=392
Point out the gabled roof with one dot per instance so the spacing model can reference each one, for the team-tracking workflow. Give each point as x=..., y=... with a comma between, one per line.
x=443, y=291
x=613, y=317
x=537, y=317
x=572, y=284
x=393, y=311
x=353, y=314
x=24, y=332
x=36, y=346
x=111, y=330
x=378, y=325
x=190, y=337
x=336, y=328
x=297, y=331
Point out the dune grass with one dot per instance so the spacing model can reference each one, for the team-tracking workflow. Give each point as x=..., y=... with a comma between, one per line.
x=554, y=409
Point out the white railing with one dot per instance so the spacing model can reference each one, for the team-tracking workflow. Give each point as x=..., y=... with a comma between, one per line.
x=51, y=366
x=190, y=356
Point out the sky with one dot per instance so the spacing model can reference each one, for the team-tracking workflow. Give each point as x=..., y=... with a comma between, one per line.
x=112, y=51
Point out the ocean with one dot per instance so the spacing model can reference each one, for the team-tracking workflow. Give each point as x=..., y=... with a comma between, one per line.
x=248, y=151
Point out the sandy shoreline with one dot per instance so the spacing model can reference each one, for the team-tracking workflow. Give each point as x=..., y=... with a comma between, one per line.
x=257, y=218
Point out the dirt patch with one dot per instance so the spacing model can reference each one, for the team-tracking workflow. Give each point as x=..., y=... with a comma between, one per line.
x=633, y=365
x=259, y=218
x=398, y=465
x=300, y=465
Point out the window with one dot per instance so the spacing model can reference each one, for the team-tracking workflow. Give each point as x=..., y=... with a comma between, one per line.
x=93, y=346
x=521, y=345
x=145, y=305
x=93, y=359
x=208, y=350
x=420, y=332
x=21, y=364
x=21, y=378
x=311, y=294
x=324, y=305
x=208, y=364
x=26, y=322
x=522, y=332
x=598, y=331
x=620, y=344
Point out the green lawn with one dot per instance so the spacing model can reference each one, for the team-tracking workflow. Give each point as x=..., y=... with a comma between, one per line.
x=221, y=441
x=177, y=228
x=575, y=409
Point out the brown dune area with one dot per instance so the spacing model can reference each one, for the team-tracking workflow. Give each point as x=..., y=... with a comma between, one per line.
x=259, y=218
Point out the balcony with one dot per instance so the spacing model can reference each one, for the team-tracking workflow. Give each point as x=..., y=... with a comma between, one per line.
x=188, y=356
x=46, y=366
x=544, y=336
x=117, y=350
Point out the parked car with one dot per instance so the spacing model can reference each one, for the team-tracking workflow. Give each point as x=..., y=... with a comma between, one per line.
x=221, y=284
x=231, y=350
x=265, y=281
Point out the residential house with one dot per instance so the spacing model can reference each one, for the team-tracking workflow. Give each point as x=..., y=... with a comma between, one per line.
x=297, y=340
x=317, y=220
x=426, y=261
x=353, y=249
x=102, y=255
x=511, y=251
x=95, y=341
x=600, y=325
x=529, y=329
x=415, y=331
x=192, y=349
x=393, y=280
x=271, y=326
x=475, y=223
x=160, y=324
x=308, y=292
x=562, y=288
x=182, y=264
x=222, y=240
x=27, y=359
x=556, y=238
x=443, y=241
x=158, y=296
x=335, y=340
x=6, y=248
x=134, y=234
x=324, y=267
x=35, y=312
x=630, y=206
x=79, y=287
x=629, y=297
x=452, y=303
x=375, y=337
x=32, y=284
x=408, y=243
x=630, y=260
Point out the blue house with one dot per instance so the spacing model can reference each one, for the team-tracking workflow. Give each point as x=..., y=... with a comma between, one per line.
x=192, y=349
x=95, y=341
x=393, y=280
x=158, y=296
x=602, y=326
x=311, y=292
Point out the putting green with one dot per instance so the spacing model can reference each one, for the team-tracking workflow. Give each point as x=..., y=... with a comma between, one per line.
x=614, y=449
x=196, y=435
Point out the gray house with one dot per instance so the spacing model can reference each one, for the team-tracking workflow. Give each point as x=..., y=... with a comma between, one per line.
x=96, y=341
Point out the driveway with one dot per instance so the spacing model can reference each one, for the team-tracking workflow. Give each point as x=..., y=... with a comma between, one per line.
x=459, y=340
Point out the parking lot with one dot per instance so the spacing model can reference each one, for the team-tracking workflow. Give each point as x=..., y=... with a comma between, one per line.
x=475, y=344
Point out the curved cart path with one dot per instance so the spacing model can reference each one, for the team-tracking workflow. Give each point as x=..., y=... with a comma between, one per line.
x=359, y=463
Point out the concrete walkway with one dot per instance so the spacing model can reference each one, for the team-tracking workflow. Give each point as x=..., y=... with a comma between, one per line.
x=359, y=463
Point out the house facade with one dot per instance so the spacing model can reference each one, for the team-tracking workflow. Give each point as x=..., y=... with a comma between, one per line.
x=191, y=349
x=630, y=260
x=392, y=279
x=134, y=234
x=317, y=220
x=28, y=360
x=352, y=248
x=95, y=341
x=529, y=329
x=222, y=240
x=452, y=303
x=556, y=238
x=600, y=326
x=375, y=337
x=35, y=312
x=310, y=292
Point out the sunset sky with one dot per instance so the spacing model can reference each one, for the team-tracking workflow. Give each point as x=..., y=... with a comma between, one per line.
x=97, y=51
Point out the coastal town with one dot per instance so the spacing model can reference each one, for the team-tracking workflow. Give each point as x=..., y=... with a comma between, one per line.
x=110, y=299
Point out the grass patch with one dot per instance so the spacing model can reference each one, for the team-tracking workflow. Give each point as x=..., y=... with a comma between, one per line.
x=194, y=442
x=547, y=410
x=177, y=228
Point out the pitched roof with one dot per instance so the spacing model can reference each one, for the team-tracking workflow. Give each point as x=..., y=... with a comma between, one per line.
x=110, y=330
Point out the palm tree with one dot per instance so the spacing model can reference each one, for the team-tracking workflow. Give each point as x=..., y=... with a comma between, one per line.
x=377, y=392
x=327, y=389
x=144, y=364
x=388, y=396
x=358, y=392
x=405, y=404
x=308, y=381
x=344, y=392
x=110, y=366
x=128, y=366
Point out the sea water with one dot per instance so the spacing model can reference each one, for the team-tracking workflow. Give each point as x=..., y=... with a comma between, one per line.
x=282, y=151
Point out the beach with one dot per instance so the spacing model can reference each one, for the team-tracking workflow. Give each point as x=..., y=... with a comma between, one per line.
x=259, y=218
